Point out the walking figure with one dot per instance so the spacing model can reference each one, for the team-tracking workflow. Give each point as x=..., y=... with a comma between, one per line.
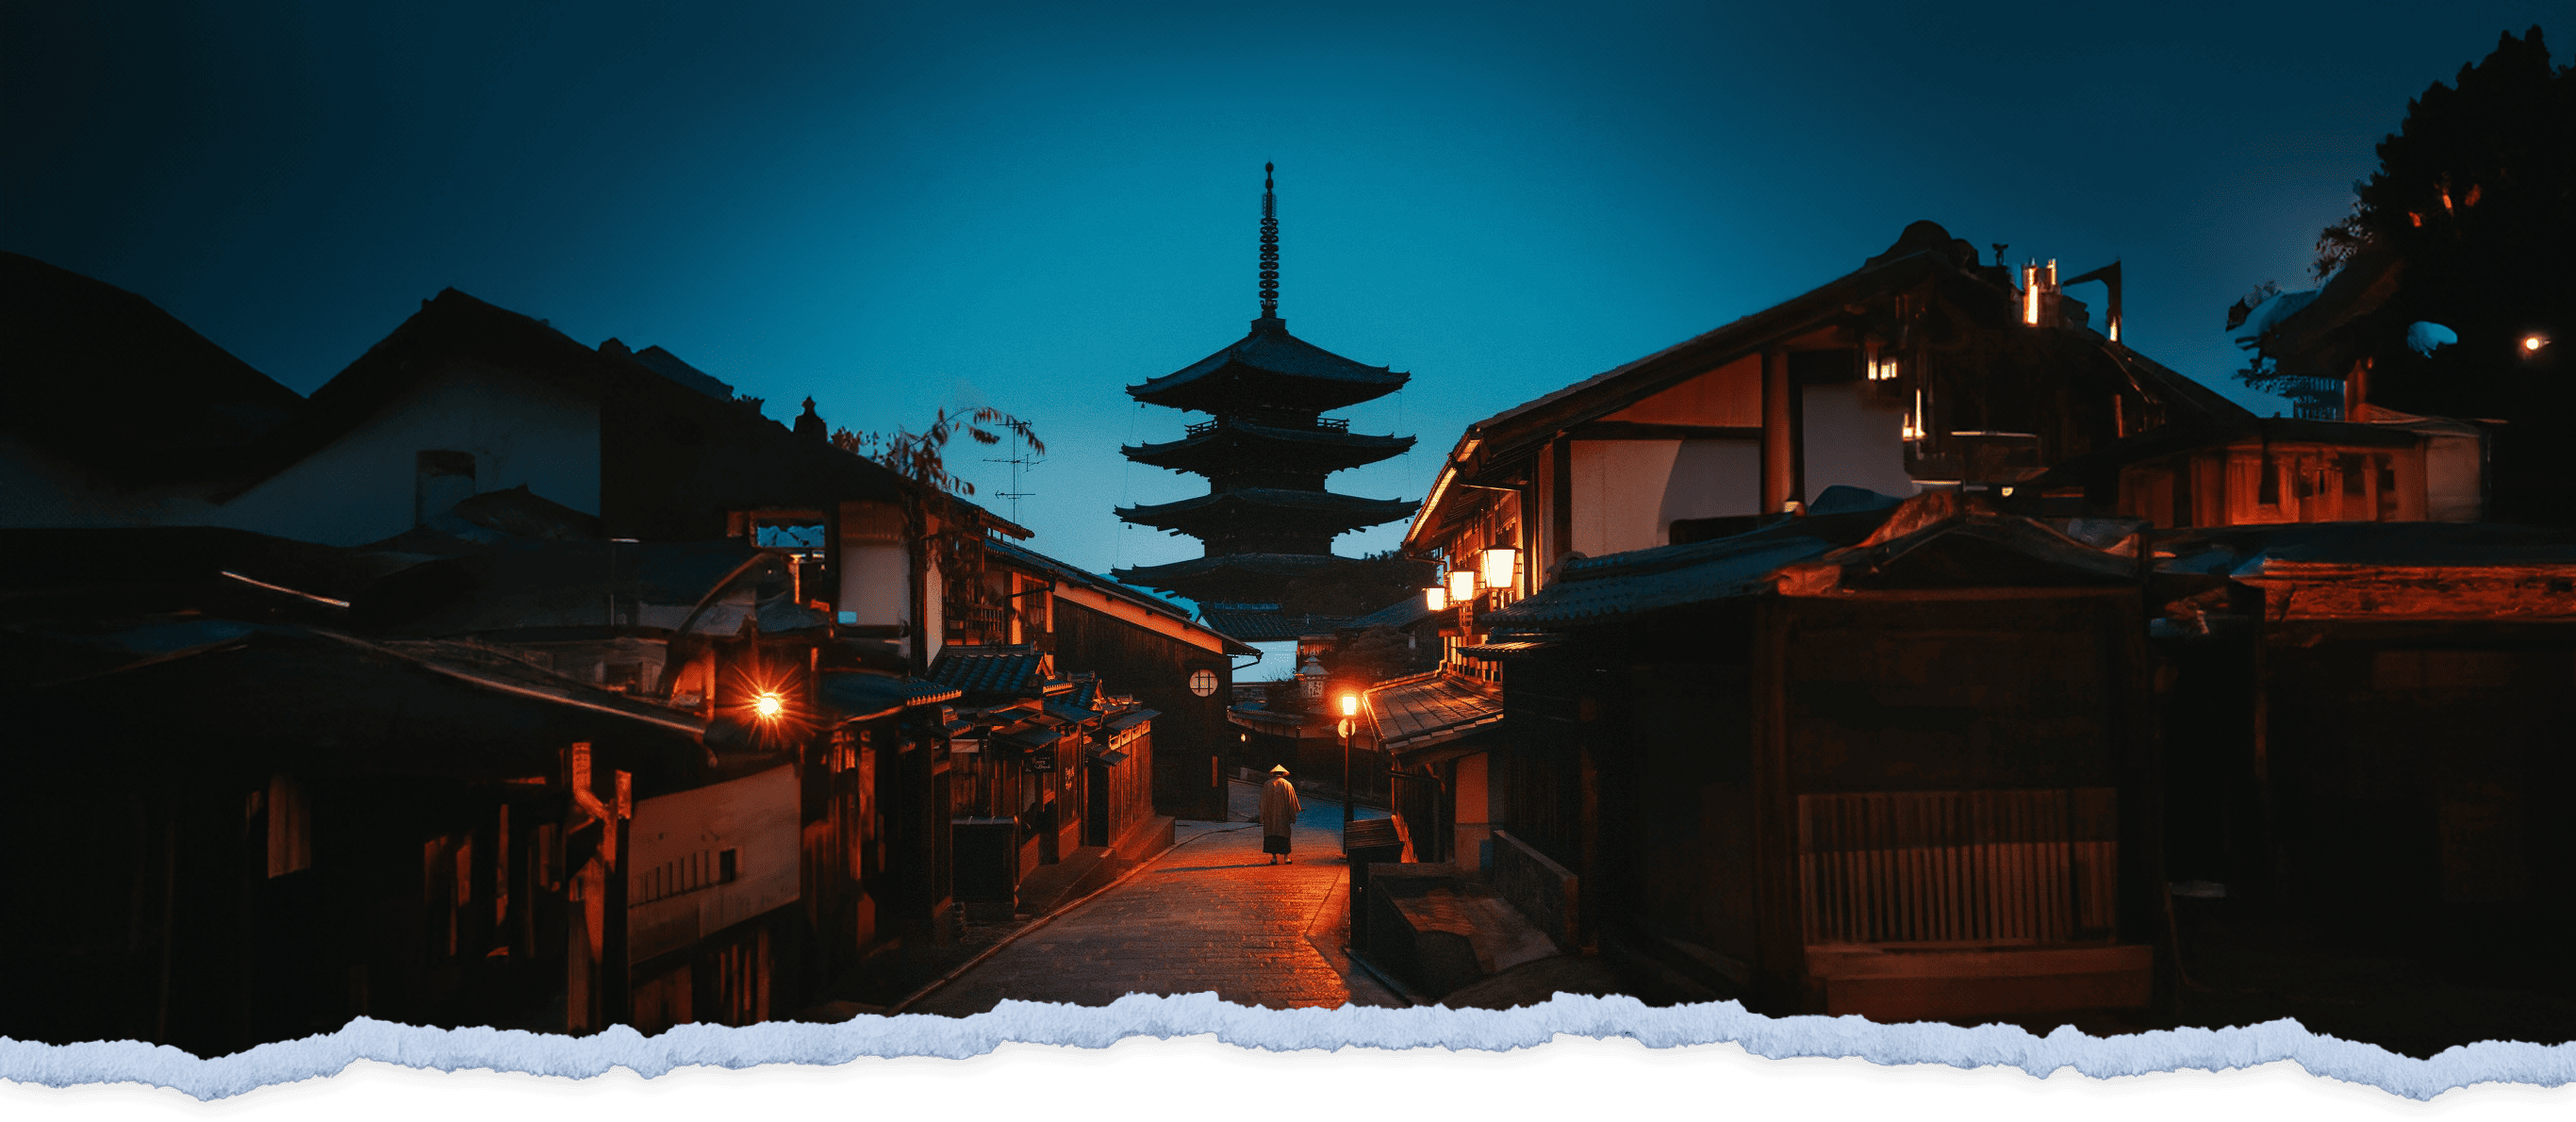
x=1279, y=809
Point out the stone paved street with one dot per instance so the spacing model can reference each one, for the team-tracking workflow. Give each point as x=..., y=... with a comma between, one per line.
x=1209, y=914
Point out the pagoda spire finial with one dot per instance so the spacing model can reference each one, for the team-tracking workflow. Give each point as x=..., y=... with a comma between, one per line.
x=1269, y=247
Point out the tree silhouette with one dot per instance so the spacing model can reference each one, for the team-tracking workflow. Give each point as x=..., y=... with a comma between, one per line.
x=2469, y=222
x=952, y=533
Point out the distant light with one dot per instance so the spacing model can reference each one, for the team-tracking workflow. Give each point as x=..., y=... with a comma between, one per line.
x=769, y=706
x=1435, y=598
x=1462, y=584
x=2534, y=342
x=2007, y=492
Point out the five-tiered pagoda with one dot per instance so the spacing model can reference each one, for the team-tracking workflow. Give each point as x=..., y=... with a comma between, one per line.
x=1265, y=450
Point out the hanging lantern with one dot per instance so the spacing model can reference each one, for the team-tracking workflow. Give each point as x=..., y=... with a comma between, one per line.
x=1462, y=584
x=1498, y=567
x=1435, y=598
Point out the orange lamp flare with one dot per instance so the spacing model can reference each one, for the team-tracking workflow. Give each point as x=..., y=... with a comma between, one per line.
x=769, y=705
x=1350, y=705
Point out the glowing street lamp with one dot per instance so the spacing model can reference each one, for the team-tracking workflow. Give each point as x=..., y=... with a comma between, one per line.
x=1435, y=598
x=1350, y=716
x=1462, y=584
x=768, y=705
x=1498, y=567
x=2532, y=343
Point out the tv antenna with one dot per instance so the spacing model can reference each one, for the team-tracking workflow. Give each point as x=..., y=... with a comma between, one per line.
x=1018, y=459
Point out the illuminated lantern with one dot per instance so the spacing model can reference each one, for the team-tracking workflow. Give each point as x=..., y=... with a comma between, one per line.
x=1498, y=567
x=768, y=705
x=1350, y=705
x=1462, y=584
x=1435, y=598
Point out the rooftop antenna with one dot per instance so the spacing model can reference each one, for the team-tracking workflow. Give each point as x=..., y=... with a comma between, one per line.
x=1269, y=247
x=1017, y=459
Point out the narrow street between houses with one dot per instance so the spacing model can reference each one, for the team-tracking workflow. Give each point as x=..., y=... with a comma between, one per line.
x=1210, y=914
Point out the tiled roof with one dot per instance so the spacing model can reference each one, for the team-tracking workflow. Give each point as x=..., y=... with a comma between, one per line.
x=1268, y=625
x=1272, y=500
x=987, y=670
x=1403, y=613
x=1429, y=710
x=860, y=695
x=1233, y=436
x=1267, y=357
x=1030, y=558
x=2256, y=549
x=1703, y=574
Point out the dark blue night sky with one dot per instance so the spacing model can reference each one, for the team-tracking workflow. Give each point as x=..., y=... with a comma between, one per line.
x=895, y=208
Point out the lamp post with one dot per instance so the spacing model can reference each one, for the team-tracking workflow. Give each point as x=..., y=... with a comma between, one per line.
x=1350, y=714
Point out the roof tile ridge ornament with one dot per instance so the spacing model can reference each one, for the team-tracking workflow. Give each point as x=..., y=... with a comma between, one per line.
x=1269, y=253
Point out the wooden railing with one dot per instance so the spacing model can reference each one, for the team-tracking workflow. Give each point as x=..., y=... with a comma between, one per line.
x=1327, y=424
x=1958, y=866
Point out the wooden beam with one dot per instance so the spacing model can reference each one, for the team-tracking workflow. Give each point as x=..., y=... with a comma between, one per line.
x=1779, y=452
x=1645, y=430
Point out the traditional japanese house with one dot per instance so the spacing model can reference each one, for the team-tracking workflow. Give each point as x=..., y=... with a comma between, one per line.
x=879, y=865
x=1139, y=646
x=1901, y=765
x=1265, y=450
x=1436, y=731
x=1922, y=369
x=465, y=399
x=118, y=411
x=2368, y=721
x=2397, y=467
x=301, y=826
x=1016, y=775
x=2340, y=352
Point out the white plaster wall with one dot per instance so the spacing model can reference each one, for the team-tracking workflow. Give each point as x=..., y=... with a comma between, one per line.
x=755, y=816
x=1628, y=493
x=1618, y=491
x=1711, y=479
x=934, y=625
x=359, y=488
x=2451, y=479
x=1854, y=441
x=876, y=582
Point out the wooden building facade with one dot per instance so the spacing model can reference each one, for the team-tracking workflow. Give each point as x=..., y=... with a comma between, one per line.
x=1909, y=774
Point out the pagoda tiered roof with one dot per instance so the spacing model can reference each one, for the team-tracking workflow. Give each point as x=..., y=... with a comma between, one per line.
x=1281, y=508
x=1270, y=369
x=1227, y=443
x=1232, y=576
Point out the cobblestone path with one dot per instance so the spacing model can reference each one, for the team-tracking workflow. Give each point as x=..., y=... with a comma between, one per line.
x=1210, y=914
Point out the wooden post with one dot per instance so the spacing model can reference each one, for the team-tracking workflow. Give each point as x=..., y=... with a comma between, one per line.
x=617, y=985
x=1779, y=461
x=1561, y=512
x=1779, y=937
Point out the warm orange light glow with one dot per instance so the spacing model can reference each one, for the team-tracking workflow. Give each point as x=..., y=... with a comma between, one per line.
x=1462, y=584
x=769, y=706
x=1350, y=705
x=1435, y=598
x=2534, y=342
x=1498, y=567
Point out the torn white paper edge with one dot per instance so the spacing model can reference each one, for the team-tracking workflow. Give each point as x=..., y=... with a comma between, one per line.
x=1286, y=1030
